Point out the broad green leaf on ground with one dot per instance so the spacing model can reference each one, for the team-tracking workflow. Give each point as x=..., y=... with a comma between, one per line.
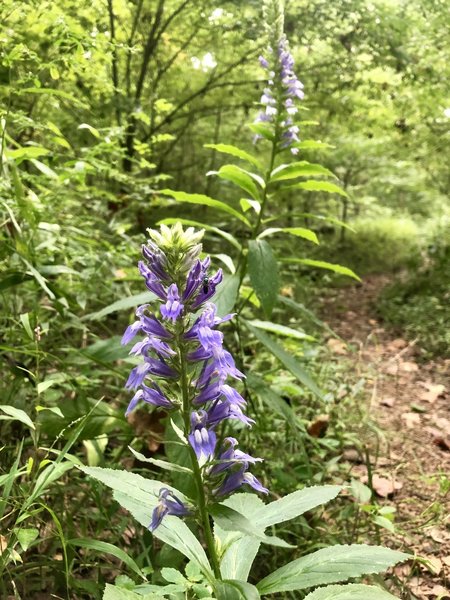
x=329, y=565
x=281, y=330
x=286, y=358
x=124, y=304
x=204, y=201
x=321, y=264
x=226, y=236
x=295, y=504
x=351, y=591
x=241, y=178
x=299, y=169
x=226, y=294
x=26, y=536
x=233, y=589
x=106, y=548
x=302, y=232
x=263, y=272
x=317, y=186
x=237, y=152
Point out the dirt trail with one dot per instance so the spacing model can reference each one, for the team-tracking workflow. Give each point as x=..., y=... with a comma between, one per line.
x=410, y=403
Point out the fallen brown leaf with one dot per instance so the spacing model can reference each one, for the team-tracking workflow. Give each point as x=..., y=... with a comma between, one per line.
x=337, y=346
x=383, y=486
x=431, y=391
x=411, y=419
x=397, y=344
x=440, y=592
x=387, y=401
x=433, y=564
x=319, y=426
x=443, y=442
x=438, y=535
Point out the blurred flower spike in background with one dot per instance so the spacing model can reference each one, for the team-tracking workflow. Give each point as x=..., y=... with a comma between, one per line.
x=284, y=89
x=184, y=367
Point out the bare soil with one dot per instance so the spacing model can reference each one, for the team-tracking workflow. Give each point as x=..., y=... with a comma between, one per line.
x=410, y=454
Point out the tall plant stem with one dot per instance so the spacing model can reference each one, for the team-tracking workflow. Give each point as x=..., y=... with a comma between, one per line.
x=242, y=263
x=196, y=467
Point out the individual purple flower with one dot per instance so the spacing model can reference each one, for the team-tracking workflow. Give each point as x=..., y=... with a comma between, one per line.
x=235, y=480
x=151, y=281
x=220, y=411
x=173, y=307
x=229, y=456
x=157, y=261
x=202, y=439
x=168, y=504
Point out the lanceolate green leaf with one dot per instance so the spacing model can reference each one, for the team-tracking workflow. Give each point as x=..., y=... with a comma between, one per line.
x=237, y=549
x=263, y=271
x=295, y=504
x=306, y=234
x=329, y=565
x=16, y=414
x=320, y=264
x=273, y=400
x=106, y=548
x=317, y=186
x=241, y=178
x=281, y=330
x=226, y=295
x=237, y=152
x=230, y=519
x=226, y=236
x=233, y=589
x=263, y=130
x=351, y=591
x=124, y=304
x=299, y=169
x=139, y=496
x=288, y=361
x=205, y=201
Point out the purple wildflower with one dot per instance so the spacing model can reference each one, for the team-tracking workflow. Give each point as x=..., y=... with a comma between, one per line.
x=279, y=99
x=168, y=504
x=202, y=439
x=173, y=307
x=180, y=280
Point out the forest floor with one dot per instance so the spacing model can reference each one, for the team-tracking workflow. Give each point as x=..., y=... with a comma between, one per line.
x=408, y=401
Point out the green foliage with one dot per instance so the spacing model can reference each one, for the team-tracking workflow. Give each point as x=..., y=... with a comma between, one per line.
x=419, y=304
x=381, y=245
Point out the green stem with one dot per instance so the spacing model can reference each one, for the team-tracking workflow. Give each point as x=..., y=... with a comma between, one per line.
x=201, y=497
x=242, y=262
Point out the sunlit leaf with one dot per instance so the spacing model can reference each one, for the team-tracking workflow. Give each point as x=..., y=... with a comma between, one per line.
x=205, y=201
x=237, y=152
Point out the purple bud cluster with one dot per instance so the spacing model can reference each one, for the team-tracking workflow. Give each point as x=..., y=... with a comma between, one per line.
x=180, y=335
x=280, y=96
